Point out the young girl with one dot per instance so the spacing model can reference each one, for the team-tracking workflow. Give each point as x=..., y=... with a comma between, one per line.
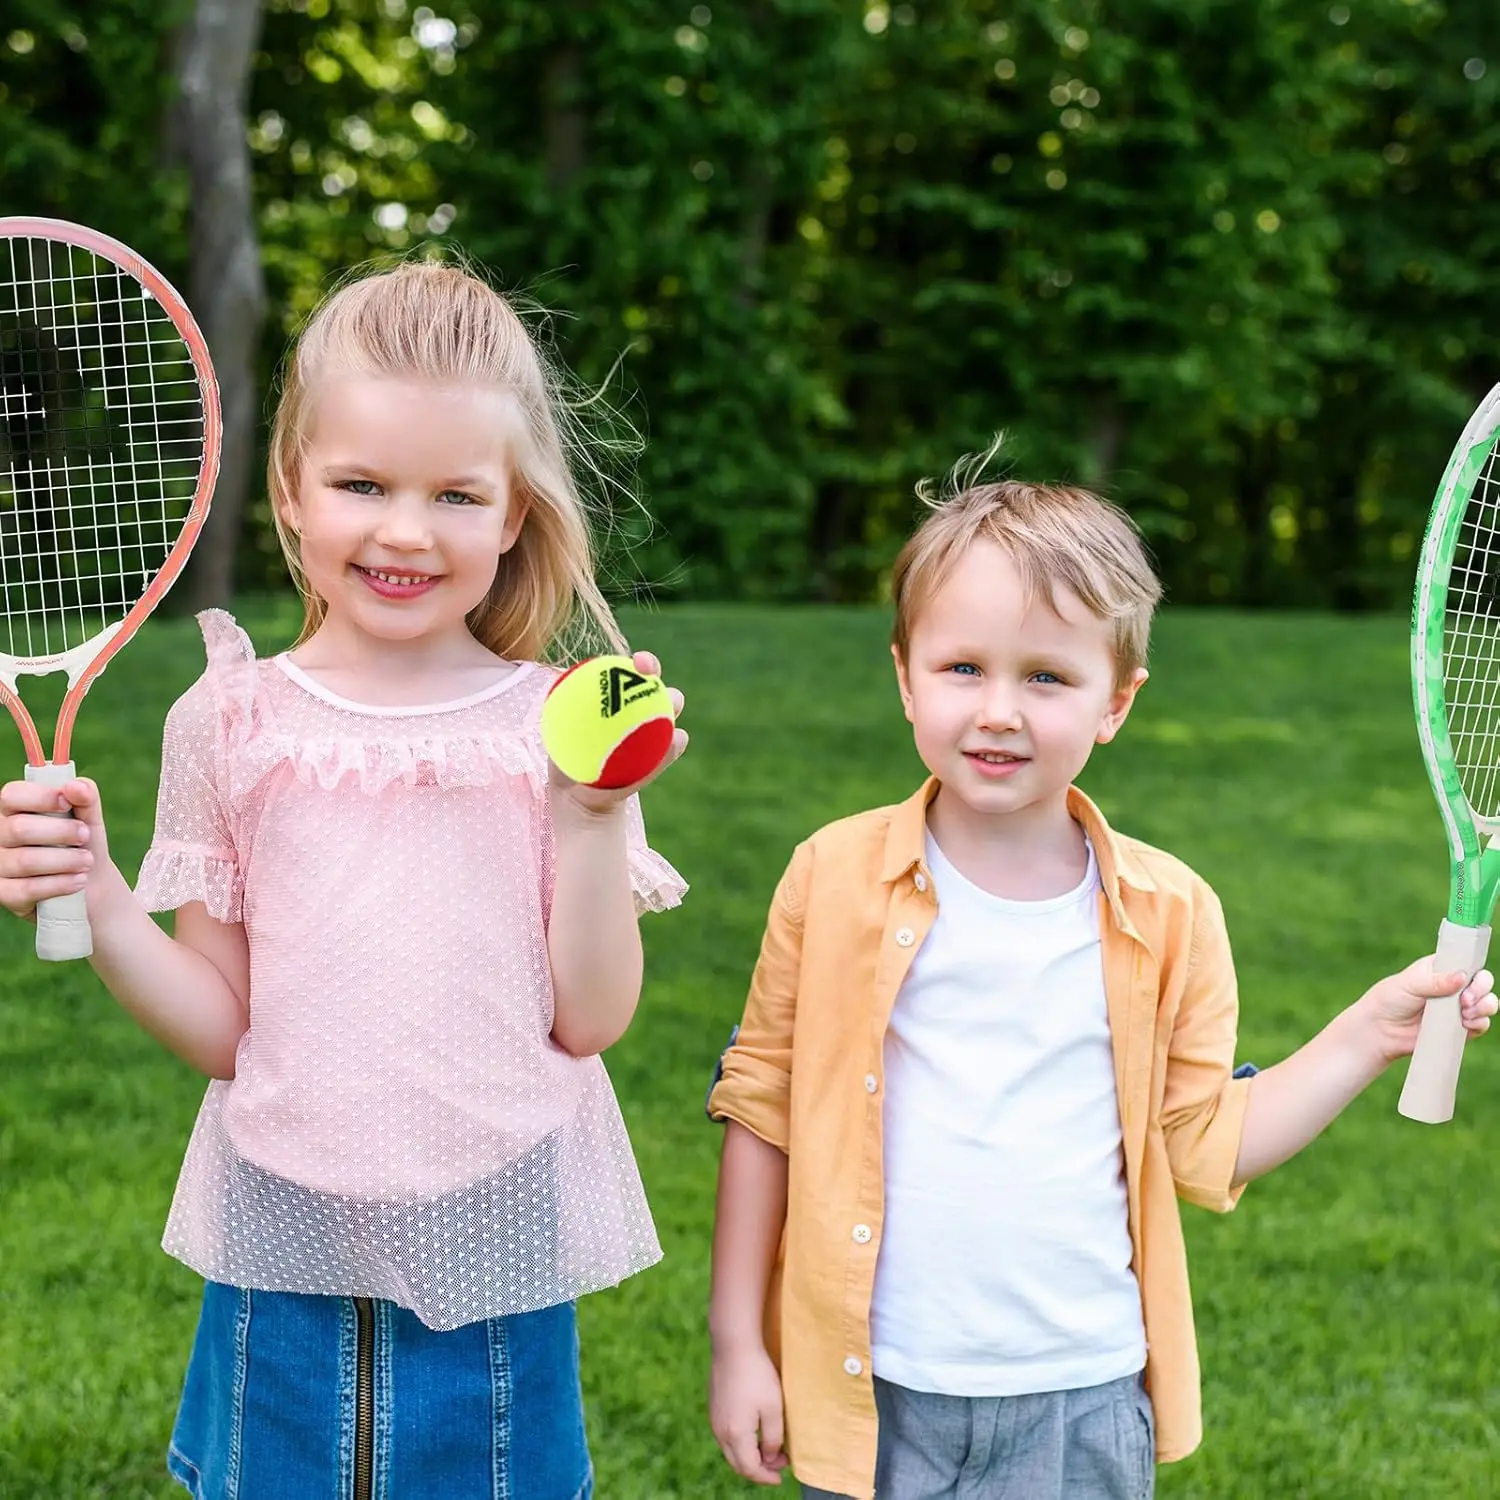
x=402, y=938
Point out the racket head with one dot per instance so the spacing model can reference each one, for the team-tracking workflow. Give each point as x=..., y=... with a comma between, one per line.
x=1456, y=659
x=110, y=439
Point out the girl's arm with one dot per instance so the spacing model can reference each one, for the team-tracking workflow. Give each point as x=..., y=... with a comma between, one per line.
x=1293, y=1102
x=593, y=935
x=191, y=992
x=744, y=1399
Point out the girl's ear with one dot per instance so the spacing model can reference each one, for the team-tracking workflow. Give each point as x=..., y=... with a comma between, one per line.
x=288, y=511
x=517, y=508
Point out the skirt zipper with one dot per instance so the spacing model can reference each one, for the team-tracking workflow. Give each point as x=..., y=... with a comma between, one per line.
x=364, y=1397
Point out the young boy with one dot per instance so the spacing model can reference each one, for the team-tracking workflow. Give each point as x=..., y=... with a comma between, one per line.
x=988, y=1043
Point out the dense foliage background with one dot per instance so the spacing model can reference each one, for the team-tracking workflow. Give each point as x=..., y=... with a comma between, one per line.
x=1232, y=260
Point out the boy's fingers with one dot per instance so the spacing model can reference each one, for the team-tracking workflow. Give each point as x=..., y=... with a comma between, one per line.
x=743, y=1453
x=771, y=1432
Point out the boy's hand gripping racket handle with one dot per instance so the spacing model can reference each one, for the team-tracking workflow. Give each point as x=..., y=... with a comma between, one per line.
x=1432, y=1077
x=62, y=922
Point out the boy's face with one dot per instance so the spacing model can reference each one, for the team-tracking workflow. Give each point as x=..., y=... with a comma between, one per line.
x=1008, y=695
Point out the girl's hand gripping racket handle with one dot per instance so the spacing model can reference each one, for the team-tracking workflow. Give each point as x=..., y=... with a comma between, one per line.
x=62, y=922
x=1432, y=1076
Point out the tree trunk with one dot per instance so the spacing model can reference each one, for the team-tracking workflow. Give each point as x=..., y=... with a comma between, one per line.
x=564, y=124
x=225, y=287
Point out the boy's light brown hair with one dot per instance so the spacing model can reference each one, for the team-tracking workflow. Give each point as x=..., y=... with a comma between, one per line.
x=1059, y=536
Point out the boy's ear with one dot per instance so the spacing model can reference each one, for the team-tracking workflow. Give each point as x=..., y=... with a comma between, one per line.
x=1119, y=706
x=903, y=682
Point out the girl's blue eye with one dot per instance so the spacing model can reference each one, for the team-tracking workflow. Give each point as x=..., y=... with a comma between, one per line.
x=359, y=486
x=457, y=497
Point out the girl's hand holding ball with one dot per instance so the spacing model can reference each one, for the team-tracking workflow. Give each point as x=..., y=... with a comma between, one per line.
x=609, y=725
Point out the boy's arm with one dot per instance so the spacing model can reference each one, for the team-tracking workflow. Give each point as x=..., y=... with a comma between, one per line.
x=1293, y=1102
x=744, y=1389
x=748, y=1218
x=1203, y=1106
x=753, y=1096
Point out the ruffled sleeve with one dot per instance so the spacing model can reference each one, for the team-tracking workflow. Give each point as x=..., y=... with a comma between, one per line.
x=192, y=855
x=654, y=883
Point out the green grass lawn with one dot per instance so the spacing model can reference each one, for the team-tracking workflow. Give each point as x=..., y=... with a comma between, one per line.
x=1348, y=1311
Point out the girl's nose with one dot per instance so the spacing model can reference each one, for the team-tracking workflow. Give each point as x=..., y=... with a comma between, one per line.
x=404, y=524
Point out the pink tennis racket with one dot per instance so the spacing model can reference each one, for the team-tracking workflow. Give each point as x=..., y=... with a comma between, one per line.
x=109, y=448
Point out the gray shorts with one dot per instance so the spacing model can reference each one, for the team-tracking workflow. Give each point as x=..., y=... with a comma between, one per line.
x=1098, y=1443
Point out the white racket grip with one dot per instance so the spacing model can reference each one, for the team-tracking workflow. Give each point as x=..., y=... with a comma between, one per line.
x=1432, y=1076
x=62, y=922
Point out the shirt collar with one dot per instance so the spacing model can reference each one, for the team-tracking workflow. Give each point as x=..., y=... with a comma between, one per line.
x=906, y=843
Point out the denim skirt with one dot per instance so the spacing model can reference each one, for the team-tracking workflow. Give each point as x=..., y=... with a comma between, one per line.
x=297, y=1397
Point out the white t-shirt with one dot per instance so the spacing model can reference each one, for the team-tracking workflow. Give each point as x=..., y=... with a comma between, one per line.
x=1004, y=1263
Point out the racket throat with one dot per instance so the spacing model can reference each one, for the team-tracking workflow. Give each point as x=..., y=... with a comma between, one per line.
x=74, y=662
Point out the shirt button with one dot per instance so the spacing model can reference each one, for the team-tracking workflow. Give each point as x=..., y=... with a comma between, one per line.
x=905, y=937
x=920, y=881
x=861, y=1234
x=852, y=1366
x=871, y=1083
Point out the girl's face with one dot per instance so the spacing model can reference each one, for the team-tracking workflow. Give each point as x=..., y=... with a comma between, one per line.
x=404, y=505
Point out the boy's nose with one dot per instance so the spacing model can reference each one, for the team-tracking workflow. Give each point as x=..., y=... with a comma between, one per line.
x=999, y=709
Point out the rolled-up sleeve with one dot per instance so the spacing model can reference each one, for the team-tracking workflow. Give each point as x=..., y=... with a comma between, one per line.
x=754, y=1086
x=1203, y=1105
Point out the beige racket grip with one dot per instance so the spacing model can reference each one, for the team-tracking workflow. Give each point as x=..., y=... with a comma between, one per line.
x=1432, y=1077
x=62, y=922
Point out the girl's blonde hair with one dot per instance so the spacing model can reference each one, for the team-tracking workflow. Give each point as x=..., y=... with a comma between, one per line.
x=442, y=323
x=1058, y=536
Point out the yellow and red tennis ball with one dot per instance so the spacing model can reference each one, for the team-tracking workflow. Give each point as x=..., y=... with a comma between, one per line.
x=606, y=724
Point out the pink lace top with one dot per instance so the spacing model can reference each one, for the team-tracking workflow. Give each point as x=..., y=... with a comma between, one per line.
x=400, y=1123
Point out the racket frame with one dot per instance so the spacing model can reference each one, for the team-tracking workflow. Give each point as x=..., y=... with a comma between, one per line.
x=62, y=923
x=1474, y=858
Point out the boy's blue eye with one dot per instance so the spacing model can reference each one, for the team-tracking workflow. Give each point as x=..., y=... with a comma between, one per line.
x=965, y=669
x=1048, y=679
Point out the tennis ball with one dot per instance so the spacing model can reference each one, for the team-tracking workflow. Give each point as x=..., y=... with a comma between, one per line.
x=606, y=724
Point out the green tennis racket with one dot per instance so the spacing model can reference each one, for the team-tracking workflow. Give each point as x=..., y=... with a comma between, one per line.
x=1455, y=672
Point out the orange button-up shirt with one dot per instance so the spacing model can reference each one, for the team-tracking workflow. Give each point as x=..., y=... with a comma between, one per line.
x=806, y=1074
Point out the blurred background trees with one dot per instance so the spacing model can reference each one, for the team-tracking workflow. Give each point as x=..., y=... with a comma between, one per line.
x=1234, y=261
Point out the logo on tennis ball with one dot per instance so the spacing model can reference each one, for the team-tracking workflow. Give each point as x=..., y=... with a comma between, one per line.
x=605, y=724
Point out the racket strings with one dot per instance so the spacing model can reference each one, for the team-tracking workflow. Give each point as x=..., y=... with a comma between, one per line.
x=102, y=439
x=1471, y=644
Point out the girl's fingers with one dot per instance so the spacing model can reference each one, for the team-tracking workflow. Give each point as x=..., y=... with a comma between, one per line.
x=38, y=860
x=32, y=797
x=31, y=830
